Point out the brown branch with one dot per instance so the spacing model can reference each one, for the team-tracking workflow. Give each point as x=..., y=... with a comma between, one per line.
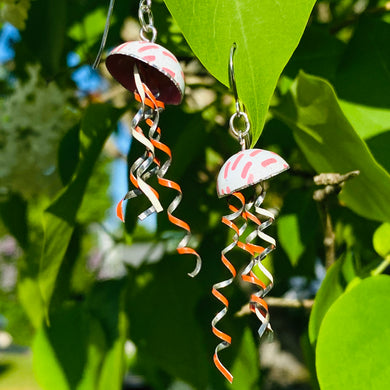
x=281, y=302
x=333, y=183
x=334, y=179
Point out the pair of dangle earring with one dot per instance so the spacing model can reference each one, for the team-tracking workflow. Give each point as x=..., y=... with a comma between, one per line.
x=155, y=76
x=245, y=170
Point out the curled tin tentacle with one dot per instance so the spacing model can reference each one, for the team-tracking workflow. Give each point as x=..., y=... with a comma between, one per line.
x=141, y=169
x=265, y=237
x=162, y=83
x=228, y=220
x=245, y=169
x=257, y=302
x=182, y=248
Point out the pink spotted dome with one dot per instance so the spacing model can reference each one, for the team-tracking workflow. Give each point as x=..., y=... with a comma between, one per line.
x=158, y=67
x=248, y=168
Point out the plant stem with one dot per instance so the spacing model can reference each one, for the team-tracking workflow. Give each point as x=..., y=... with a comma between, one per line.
x=333, y=183
x=329, y=238
x=382, y=266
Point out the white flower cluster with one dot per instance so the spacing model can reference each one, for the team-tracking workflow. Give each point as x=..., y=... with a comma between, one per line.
x=33, y=120
x=15, y=12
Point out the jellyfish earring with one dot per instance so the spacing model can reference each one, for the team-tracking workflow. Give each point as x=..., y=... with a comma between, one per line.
x=246, y=170
x=155, y=76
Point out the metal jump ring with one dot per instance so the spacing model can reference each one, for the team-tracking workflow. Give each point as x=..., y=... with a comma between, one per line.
x=148, y=29
x=239, y=133
x=145, y=16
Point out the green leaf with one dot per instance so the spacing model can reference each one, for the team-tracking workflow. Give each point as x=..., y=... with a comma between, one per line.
x=112, y=369
x=318, y=53
x=60, y=351
x=89, y=30
x=336, y=280
x=365, y=99
x=381, y=240
x=28, y=289
x=266, y=37
x=13, y=212
x=83, y=347
x=60, y=217
x=330, y=144
x=181, y=344
x=245, y=369
x=308, y=352
x=298, y=224
x=174, y=342
x=14, y=12
x=106, y=304
x=354, y=340
x=68, y=154
x=45, y=34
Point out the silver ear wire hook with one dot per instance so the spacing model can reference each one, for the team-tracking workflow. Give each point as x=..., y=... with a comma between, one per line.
x=105, y=33
x=232, y=79
x=243, y=136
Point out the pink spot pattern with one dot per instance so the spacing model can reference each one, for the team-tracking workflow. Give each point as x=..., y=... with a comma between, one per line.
x=255, y=152
x=269, y=161
x=237, y=161
x=225, y=174
x=148, y=47
x=248, y=167
x=170, y=72
x=171, y=56
x=149, y=58
x=244, y=172
x=119, y=47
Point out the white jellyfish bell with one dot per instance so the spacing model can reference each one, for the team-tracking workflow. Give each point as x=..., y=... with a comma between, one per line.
x=159, y=69
x=247, y=168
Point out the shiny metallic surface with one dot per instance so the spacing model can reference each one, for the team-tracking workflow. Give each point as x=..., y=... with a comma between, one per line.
x=262, y=219
x=228, y=220
x=150, y=165
x=105, y=34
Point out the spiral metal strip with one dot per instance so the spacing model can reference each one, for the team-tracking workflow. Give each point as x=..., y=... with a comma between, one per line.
x=141, y=169
x=228, y=220
x=154, y=136
x=257, y=302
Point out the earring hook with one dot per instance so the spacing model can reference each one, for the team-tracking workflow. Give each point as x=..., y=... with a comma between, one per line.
x=232, y=80
x=105, y=33
x=242, y=135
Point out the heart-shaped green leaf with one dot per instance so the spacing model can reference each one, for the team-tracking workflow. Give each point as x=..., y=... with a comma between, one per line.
x=354, y=340
x=366, y=103
x=298, y=224
x=266, y=35
x=380, y=240
x=336, y=280
x=331, y=144
x=60, y=217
